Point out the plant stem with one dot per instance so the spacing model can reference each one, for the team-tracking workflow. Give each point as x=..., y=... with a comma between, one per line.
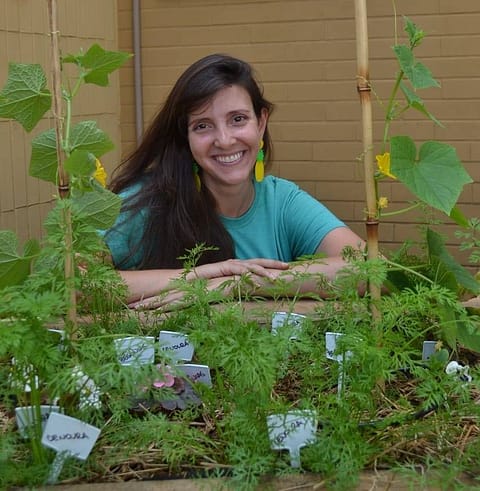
x=403, y=210
x=36, y=426
x=401, y=267
x=388, y=115
x=63, y=182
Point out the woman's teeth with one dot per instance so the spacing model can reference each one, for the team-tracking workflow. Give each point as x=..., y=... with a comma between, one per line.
x=228, y=159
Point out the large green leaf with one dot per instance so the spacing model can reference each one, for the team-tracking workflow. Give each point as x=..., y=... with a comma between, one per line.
x=25, y=96
x=98, y=208
x=437, y=177
x=43, y=162
x=87, y=136
x=100, y=63
x=13, y=267
x=84, y=136
x=419, y=75
x=438, y=252
x=80, y=163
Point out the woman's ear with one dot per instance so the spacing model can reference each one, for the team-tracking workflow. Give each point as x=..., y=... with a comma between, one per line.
x=262, y=121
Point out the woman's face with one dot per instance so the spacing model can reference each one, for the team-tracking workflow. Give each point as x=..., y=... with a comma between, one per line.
x=224, y=137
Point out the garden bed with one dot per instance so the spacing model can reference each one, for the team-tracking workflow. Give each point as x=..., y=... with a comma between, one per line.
x=369, y=481
x=367, y=430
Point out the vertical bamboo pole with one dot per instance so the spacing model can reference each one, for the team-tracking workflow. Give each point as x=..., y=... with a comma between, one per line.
x=364, y=90
x=63, y=182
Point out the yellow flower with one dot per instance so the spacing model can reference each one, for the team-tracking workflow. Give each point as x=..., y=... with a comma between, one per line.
x=100, y=174
x=382, y=202
x=383, y=162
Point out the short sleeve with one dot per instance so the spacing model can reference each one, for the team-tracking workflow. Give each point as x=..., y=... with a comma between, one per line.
x=307, y=221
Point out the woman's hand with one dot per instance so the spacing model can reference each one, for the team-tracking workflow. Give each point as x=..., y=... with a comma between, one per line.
x=234, y=267
x=227, y=284
x=160, y=284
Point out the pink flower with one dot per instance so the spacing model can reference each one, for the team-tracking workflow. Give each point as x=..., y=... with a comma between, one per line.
x=168, y=379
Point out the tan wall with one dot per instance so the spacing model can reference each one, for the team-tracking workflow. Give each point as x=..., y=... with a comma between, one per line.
x=24, y=201
x=304, y=52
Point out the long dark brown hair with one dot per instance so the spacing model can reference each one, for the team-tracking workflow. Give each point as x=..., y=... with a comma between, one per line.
x=179, y=216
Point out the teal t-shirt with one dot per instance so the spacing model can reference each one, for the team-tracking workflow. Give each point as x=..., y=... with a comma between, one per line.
x=284, y=222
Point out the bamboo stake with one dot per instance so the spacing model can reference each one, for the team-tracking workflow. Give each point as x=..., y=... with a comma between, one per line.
x=364, y=90
x=63, y=181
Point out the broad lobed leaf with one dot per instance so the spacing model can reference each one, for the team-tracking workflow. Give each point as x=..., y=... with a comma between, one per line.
x=99, y=208
x=418, y=74
x=100, y=63
x=13, y=267
x=85, y=136
x=25, y=96
x=436, y=177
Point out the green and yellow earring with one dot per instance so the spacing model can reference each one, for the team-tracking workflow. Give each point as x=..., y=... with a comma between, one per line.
x=259, y=165
x=196, y=177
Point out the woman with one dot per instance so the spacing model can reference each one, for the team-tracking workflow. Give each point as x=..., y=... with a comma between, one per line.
x=191, y=181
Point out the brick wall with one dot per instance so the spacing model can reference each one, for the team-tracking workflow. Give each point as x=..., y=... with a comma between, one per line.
x=304, y=52
x=24, y=201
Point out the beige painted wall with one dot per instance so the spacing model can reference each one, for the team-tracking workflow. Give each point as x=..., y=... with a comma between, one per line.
x=304, y=52
x=24, y=201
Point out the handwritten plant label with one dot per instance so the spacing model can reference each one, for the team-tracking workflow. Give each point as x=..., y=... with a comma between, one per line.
x=292, y=431
x=176, y=345
x=331, y=339
x=196, y=373
x=428, y=349
x=280, y=319
x=69, y=435
x=26, y=416
x=135, y=350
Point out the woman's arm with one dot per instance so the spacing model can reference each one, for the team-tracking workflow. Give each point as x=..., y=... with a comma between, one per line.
x=143, y=284
x=297, y=277
x=266, y=275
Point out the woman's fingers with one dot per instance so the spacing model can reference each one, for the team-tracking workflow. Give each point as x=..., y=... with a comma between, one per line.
x=231, y=267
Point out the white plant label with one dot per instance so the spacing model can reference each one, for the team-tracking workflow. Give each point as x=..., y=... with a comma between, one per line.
x=176, y=345
x=292, y=431
x=62, y=337
x=135, y=350
x=196, y=373
x=26, y=372
x=69, y=436
x=428, y=349
x=25, y=417
x=280, y=319
x=331, y=339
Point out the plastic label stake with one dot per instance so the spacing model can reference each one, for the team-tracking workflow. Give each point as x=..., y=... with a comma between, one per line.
x=135, y=350
x=176, y=345
x=292, y=431
x=291, y=319
x=196, y=373
x=69, y=437
x=331, y=339
x=26, y=415
x=428, y=349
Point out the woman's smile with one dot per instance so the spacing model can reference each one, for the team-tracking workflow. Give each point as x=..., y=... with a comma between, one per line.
x=229, y=159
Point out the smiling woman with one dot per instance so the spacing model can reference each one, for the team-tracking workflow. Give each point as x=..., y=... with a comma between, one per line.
x=192, y=181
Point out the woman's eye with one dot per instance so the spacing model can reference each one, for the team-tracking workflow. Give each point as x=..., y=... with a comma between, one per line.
x=200, y=127
x=239, y=118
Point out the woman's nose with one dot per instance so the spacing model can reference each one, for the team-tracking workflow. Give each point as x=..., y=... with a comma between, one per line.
x=223, y=137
